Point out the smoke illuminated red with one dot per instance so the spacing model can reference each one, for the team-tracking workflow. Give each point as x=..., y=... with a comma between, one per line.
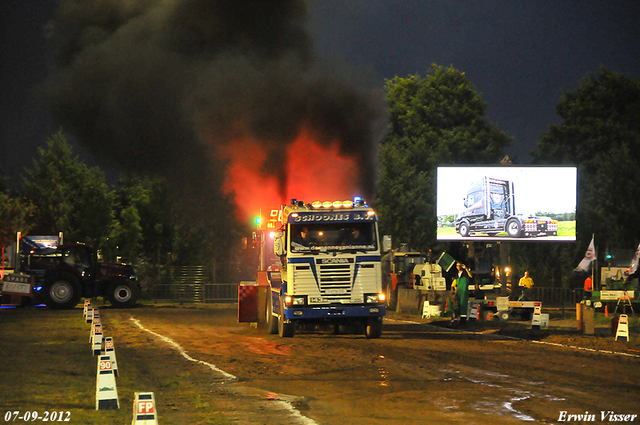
x=312, y=172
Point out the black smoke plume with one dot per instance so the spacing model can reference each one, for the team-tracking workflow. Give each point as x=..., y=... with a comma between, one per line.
x=157, y=86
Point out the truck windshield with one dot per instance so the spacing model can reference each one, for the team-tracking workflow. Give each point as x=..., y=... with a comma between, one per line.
x=333, y=237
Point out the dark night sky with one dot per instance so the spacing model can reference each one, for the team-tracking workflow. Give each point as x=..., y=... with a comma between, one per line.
x=518, y=54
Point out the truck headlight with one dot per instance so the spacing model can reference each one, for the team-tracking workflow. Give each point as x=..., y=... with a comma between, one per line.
x=290, y=300
x=375, y=298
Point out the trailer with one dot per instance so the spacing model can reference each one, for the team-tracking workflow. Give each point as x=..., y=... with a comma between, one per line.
x=503, y=308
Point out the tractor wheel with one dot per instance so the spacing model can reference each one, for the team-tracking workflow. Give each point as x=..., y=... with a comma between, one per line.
x=122, y=294
x=62, y=292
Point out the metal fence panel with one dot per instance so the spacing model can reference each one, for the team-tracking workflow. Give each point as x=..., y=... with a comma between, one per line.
x=557, y=297
x=194, y=293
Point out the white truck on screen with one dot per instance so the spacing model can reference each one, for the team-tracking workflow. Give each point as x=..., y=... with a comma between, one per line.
x=490, y=208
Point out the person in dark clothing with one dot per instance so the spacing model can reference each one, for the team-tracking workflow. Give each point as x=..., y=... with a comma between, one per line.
x=356, y=238
x=462, y=282
x=303, y=237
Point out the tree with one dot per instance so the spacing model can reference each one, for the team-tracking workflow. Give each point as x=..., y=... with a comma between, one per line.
x=126, y=240
x=68, y=196
x=15, y=215
x=435, y=120
x=600, y=133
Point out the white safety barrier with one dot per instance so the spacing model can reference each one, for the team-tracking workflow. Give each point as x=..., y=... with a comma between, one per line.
x=110, y=350
x=623, y=327
x=426, y=311
x=144, y=409
x=96, y=339
x=87, y=304
x=536, y=320
x=106, y=391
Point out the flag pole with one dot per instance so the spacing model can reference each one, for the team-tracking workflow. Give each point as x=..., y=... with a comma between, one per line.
x=593, y=269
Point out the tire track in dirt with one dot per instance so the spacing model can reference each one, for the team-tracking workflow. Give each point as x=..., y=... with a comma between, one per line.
x=278, y=403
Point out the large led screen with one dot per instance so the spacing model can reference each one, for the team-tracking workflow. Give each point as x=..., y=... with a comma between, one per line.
x=505, y=203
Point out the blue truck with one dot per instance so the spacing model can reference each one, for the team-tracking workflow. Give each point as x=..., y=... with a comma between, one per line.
x=327, y=271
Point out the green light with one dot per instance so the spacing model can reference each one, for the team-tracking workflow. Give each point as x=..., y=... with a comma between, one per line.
x=258, y=220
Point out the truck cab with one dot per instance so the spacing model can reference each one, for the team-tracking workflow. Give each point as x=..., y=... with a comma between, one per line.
x=490, y=208
x=330, y=268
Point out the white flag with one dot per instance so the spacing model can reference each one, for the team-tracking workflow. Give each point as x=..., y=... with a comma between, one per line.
x=589, y=256
x=634, y=262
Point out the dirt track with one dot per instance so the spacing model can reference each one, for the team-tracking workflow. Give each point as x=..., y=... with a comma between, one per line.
x=415, y=373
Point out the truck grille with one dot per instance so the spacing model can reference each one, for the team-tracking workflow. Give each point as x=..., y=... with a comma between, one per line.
x=335, y=280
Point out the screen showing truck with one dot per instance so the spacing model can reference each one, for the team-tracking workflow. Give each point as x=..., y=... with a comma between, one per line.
x=506, y=203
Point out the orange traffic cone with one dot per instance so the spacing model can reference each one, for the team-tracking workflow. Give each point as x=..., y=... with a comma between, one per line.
x=606, y=311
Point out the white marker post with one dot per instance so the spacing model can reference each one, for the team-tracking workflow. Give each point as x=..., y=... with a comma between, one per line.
x=536, y=320
x=106, y=391
x=87, y=304
x=426, y=310
x=144, y=410
x=110, y=350
x=96, y=321
x=623, y=327
x=96, y=340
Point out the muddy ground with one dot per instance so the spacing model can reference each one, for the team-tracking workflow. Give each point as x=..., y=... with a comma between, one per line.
x=419, y=371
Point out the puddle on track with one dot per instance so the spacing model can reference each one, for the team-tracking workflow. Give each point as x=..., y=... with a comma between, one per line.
x=383, y=394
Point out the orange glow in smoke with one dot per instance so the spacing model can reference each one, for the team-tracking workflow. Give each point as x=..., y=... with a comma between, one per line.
x=312, y=172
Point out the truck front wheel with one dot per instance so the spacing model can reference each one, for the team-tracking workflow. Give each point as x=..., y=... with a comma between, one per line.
x=62, y=292
x=514, y=228
x=285, y=330
x=374, y=327
x=464, y=229
x=123, y=293
x=271, y=320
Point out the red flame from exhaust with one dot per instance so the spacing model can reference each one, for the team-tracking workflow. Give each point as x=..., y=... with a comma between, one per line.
x=312, y=172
